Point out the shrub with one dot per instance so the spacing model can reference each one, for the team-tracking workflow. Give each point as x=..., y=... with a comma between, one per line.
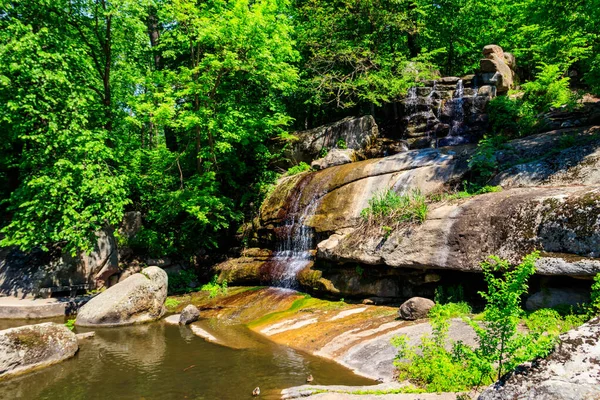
x=296, y=169
x=431, y=365
x=483, y=162
x=595, y=297
x=389, y=205
x=215, y=289
x=70, y=324
x=450, y=310
x=449, y=294
x=341, y=144
x=549, y=89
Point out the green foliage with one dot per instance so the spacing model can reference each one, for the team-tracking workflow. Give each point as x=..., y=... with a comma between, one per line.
x=171, y=302
x=214, y=288
x=389, y=205
x=500, y=342
x=341, y=144
x=431, y=365
x=469, y=190
x=70, y=323
x=437, y=367
x=549, y=89
x=182, y=281
x=297, y=169
x=595, y=296
x=483, y=162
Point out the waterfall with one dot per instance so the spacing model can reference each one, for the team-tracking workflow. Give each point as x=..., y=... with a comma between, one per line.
x=458, y=117
x=430, y=101
x=295, y=245
x=411, y=100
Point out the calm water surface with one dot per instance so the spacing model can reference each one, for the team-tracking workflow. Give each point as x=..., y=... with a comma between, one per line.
x=159, y=361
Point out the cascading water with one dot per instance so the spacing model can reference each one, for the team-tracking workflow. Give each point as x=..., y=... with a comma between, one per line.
x=458, y=117
x=295, y=245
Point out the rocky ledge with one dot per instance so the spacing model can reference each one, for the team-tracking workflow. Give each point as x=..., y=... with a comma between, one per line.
x=30, y=347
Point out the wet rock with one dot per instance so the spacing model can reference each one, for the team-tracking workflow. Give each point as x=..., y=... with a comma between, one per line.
x=335, y=157
x=139, y=298
x=85, y=336
x=552, y=297
x=189, y=314
x=356, y=133
x=31, y=347
x=415, y=308
x=571, y=371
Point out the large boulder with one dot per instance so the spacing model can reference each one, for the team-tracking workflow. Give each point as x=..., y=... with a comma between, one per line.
x=570, y=372
x=31, y=347
x=139, y=298
x=356, y=133
x=415, y=308
x=500, y=64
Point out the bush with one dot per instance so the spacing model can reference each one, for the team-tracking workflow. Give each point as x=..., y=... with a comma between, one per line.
x=449, y=294
x=215, y=289
x=501, y=345
x=549, y=89
x=389, y=205
x=483, y=162
x=296, y=169
x=595, y=297
x=430, y=365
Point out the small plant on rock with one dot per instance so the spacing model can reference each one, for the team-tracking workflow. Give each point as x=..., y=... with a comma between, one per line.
x=214, y=288
x=389, y=205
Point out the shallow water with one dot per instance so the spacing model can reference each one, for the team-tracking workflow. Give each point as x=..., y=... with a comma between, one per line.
x=160, y=361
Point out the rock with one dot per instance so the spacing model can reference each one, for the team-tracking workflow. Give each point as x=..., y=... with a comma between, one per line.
x=131, y=224
x=31, y=347
x=189, y=314
x=163, y=262
x=570, y=372
x=415, y=308
x=139, y=298
x=103, y=261
x=552, y=297
x=356, y=133
x=335, y=157
x=560, y=221
x=497, y=62
x=86, y=335
x=492, y=49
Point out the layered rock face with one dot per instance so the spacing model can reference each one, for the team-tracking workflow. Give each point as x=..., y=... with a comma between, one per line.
x=571, y=371
x=355, y=134
x=452, y=110
x=30, y=347
x=139, y=298
x=550, y=202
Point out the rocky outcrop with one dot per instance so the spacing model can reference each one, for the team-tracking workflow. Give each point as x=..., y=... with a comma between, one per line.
x=45, y=274
x=509, y=224
x=571, y=371
x=553, y=297
x=189, y=314
x=355, y=134
x=30, y=347
x=335, y=157
x=139, y=298
x=415, y=308
x=452, y=111
x=343, y=191
x=501, y=65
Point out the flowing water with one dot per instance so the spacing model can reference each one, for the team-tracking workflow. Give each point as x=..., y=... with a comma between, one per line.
x=160, y=361
x=295, y=245
x=457, y=123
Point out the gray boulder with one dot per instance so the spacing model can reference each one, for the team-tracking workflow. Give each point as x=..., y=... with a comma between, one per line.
x=335, y=157
x=31, y=347
x=552, y=297
x=139, y=298
x=189, y=314
x=570, y=372
x=415, y=308
x=357, y=134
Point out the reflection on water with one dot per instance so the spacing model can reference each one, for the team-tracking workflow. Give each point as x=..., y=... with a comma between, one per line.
x=159, y=361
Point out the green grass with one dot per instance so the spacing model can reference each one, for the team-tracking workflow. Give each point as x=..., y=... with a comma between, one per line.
x=465, y=194
x=391, y=206
x=171, y=302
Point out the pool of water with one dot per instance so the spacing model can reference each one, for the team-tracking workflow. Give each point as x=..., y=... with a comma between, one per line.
x=160, y=361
